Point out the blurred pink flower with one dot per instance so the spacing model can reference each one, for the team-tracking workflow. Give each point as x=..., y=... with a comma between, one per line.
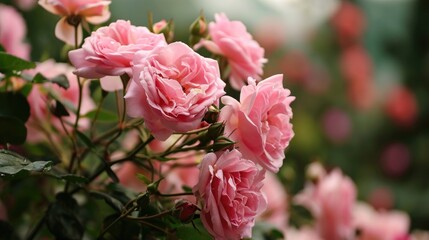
x=25, y=4
x=41, y=119
x=12, y=32
x=304, y=233
x=395, y=159
x=330, y=200
x=349, y=22
x=110, y=50
x=401, y=106
x=336, y=125
x=381, y=198
x=231, y=40
x=260, y=122
x=356, y=67
x=229, y=189
x=277, y=203
x=381, y=225
x=74, y=13
x=172, y=88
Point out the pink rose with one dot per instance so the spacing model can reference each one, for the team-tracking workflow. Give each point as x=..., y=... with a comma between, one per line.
x=73, y=13
x=172, y=89
x=110, y=50
x=260, y=122
x=331, y=202
x=229, y=189
x=41, y=120
x=231, y=40
x=12, y=32
x=277, y=202
x=382, y=225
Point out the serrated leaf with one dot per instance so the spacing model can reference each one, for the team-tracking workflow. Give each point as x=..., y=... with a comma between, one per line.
x=12, y=163
x=9, y=63
x=15, y=105
x=111, y=201
x=62, y=220
x=102, y=115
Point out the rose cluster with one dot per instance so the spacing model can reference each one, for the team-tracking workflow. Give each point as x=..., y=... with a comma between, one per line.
x=172, y=87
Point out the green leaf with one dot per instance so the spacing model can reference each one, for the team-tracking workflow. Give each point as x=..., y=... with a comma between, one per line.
x=62, y=219
x=61, y=80
x=9, y=63
x=72, y=178
x=12, y=163
x=103, y=115
x=85, y=139
x=122, y=229
x=15, y=105
x=143, y=178
x=111, y=201
x=2, y=48
x=193, y=231
x=12, y=130
x=59, y=110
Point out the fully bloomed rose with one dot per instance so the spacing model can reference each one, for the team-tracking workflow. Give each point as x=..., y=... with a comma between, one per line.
x=73, y=13
x=110, y=50
x=231, y=40
x=12, y=32
x=172, y=89
x=260, y=122
x=229, y=189
x=331, y=201
x=382, y=225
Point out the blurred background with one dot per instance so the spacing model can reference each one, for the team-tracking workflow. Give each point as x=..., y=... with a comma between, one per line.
x=359, y=71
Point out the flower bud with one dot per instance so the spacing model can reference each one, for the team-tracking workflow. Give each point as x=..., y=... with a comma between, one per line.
x=165, y=28
x=198, y=30
x=185, y=210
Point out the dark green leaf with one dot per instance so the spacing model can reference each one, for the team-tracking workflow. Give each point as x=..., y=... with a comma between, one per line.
x=111, y=201
x=12, y=130
x=26, y=89
x=72, y=178
x=12, y=163
x=7, y=231
x=187, y=189
x=15, y=105
x=61, y=80
x=122, y=229
x=9, y=63
x=62, y=219
x=195, y=231
x=103, y=115
x=2, y=48
x=85, y=139
x=59, y=110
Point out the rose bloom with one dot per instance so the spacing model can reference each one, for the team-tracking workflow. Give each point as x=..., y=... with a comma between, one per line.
x=110, y=50
x=381, y=225
x=172, y=88
x=231, y=40
x=229, y=189
x=331, y=202
x=41, y=120
x=74, y=12
x=277, y=202
x=260, y=122
x=12, y=32
x=401, y=106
